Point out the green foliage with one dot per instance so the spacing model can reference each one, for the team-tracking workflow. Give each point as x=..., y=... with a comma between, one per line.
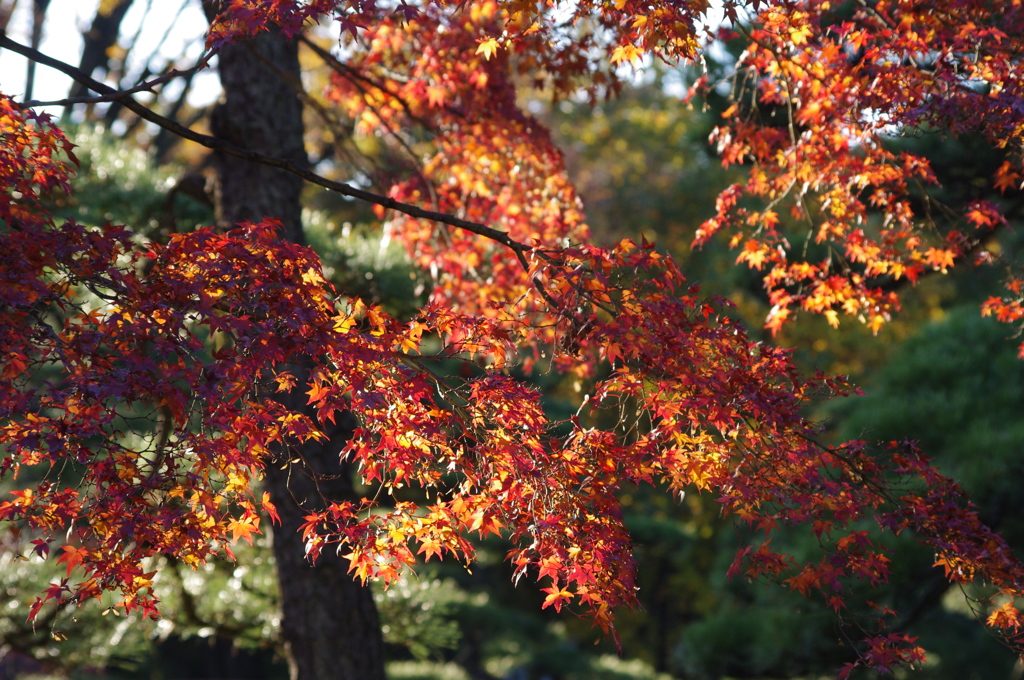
x=119, y=183
x=641, y=162
x=643, y=166
x=768, y=640
x=67, y=638
x=957, y=387
x=417, y=615
x=425, y=670
x=364, y=262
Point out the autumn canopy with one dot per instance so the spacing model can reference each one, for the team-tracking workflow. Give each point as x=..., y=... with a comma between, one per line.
x=232, y=340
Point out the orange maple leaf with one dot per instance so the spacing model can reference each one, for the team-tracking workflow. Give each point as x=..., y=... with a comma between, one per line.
x=940, y=258
x=556, y=597
x=72, y=557
x=244, y=528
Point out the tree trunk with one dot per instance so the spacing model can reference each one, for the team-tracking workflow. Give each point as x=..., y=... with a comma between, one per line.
x=97, y=41
x=329, y=621
x=38, y=18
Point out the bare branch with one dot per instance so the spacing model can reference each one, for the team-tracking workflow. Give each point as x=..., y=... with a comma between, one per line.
x=146, y=86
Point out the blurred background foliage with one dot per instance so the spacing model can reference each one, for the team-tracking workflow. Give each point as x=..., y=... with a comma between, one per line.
x=938, y=373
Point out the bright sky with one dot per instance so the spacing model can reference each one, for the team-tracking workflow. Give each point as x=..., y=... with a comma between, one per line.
x=173, y=27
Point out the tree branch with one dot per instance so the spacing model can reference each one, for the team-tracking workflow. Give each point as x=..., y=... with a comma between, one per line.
x=146, y=86
x=209, y=142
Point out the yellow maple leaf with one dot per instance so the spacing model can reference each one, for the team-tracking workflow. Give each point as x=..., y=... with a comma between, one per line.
x=312, y=276
x=437, y=95
x=625, y=53
x=487, y=48
x=800, y=35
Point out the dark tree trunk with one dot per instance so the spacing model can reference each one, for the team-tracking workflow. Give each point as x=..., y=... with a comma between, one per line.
x=101, y=36
x=38, y=18
x=260, y=111
x=6, y=10
x=329, y=622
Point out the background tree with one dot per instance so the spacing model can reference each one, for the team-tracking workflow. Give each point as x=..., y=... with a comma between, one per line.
x=336, y=636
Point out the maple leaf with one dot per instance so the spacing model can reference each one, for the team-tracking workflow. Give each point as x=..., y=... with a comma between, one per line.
x=15, y=365
x=317, y=392
x=983, y=215
x=940, y=258
x=488, y=48
x=800, y=34
x=626, y=53
x=754, y=253
x=42, y=547
x=1007, y=616
x=312, y=277
x=244, y=527
x=436, y=96
x=550, y=566
x=270, y=508
x=285, y=381
x=556, y=597
x=1007, y=177
x=430, y=547
x=72, y=557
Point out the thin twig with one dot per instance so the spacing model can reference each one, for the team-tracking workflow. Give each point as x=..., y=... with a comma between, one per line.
x=116, y=95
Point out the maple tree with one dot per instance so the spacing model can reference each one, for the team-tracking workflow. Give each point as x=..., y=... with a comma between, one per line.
x=214, y=335
x=818, y=95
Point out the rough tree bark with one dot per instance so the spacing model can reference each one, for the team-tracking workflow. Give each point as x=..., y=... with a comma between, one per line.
x=329, y=623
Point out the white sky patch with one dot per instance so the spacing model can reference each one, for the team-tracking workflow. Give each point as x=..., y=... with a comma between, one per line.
x=173, y=29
